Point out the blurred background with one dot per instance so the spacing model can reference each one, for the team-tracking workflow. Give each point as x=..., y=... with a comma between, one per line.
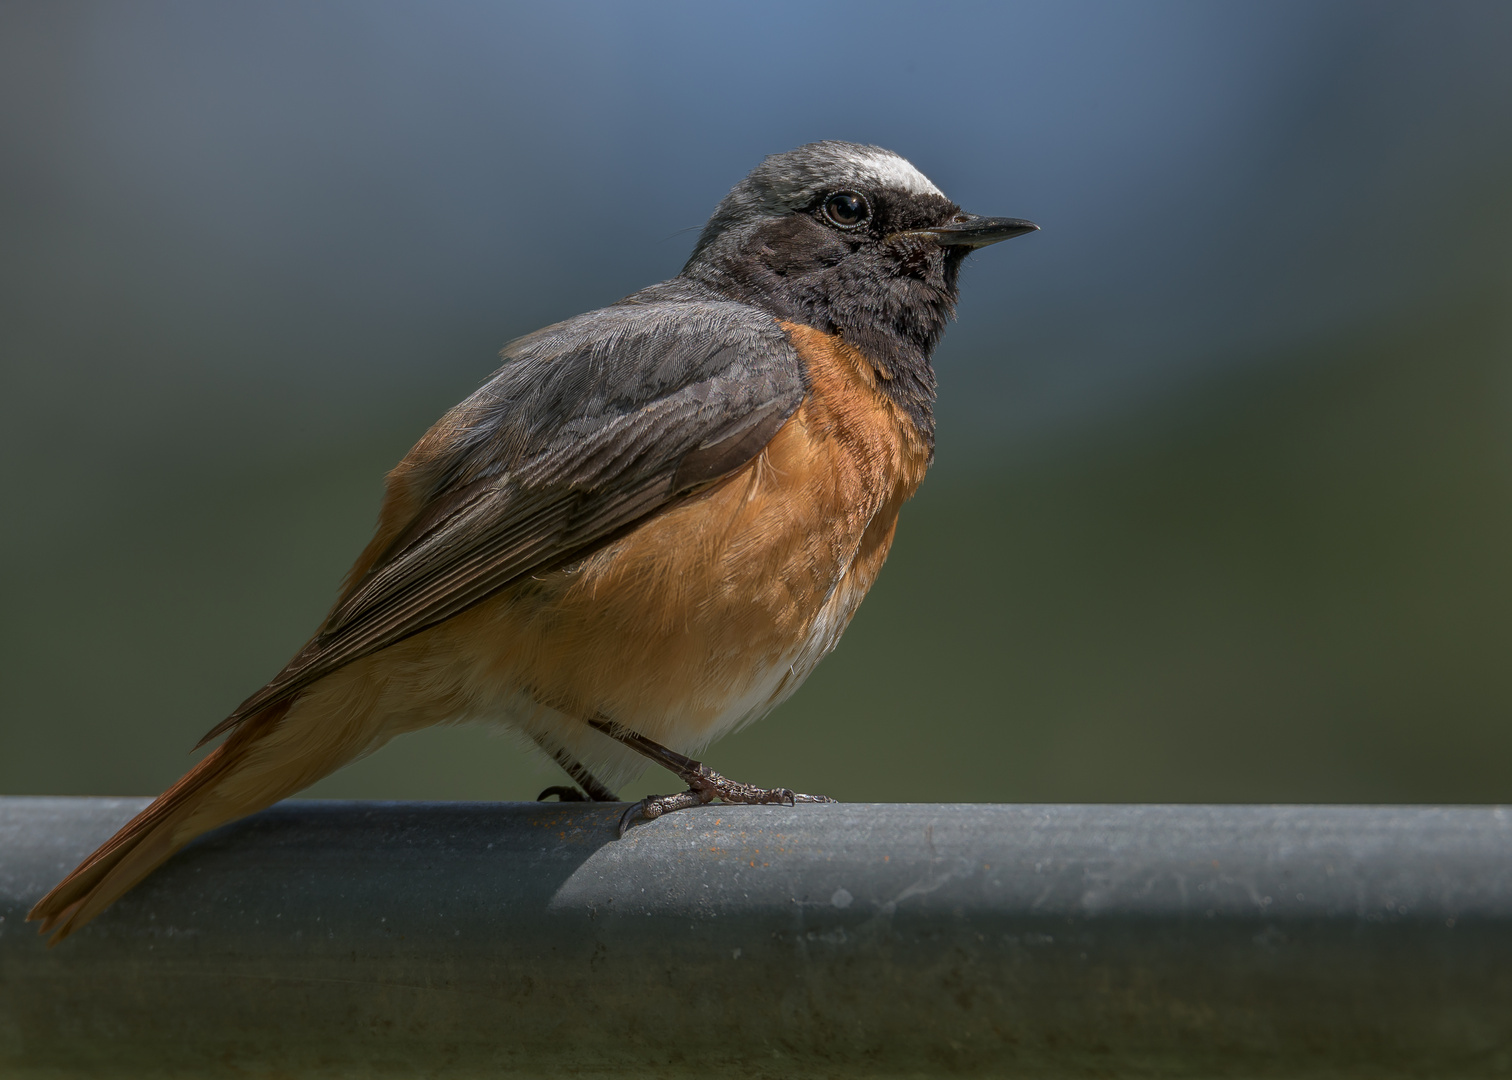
x=1222, y=508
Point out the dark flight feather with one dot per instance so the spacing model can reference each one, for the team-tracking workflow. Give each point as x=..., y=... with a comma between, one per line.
x=589, y=426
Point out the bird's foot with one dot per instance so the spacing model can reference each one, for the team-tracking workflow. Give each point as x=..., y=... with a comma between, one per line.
x=564, y=793
x=704, y=786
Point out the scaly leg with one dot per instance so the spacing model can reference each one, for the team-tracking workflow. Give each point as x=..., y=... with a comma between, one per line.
x=704, y=784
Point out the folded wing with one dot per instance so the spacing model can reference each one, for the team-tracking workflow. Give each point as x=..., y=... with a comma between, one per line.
x=589, y=426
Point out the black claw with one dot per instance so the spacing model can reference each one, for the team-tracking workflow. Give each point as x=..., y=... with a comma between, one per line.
x=629, y=816
x=562, y=792
x=654, y=806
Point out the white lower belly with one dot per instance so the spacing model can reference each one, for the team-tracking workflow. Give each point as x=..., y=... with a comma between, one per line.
x=775, y=684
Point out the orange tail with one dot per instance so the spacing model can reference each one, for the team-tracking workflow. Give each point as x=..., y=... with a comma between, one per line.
x=262, y=762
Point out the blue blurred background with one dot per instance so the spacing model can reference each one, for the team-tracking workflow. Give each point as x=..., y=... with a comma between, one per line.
x=1222, y=508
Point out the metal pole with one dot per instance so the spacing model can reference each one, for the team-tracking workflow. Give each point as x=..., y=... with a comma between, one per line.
x=362, y=939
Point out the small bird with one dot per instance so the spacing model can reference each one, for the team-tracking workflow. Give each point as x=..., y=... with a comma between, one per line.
x=642, y=532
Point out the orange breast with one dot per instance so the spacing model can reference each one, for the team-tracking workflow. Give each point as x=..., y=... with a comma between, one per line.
x=715, y=609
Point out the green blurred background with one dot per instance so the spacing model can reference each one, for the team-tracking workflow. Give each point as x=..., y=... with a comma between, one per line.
x=1222, y=509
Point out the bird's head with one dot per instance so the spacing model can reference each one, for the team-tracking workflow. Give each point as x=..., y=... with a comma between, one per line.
x=849, y=239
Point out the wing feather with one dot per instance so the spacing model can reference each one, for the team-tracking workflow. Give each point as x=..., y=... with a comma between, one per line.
x=589, y=426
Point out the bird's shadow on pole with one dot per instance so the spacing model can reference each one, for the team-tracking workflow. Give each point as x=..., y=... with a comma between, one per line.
x=362, y=877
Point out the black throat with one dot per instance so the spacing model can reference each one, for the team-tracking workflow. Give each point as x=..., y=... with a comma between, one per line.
x=889, y=299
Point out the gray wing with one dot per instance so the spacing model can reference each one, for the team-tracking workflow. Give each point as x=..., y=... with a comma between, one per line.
x=589, y=426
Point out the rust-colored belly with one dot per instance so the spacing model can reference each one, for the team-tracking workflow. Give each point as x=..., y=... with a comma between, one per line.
x=716, y=609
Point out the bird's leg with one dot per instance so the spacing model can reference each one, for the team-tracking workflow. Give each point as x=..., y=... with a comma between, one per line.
x=596, y=792
x=704, y=784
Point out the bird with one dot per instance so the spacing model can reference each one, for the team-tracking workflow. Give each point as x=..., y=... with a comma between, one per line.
x=642, y=532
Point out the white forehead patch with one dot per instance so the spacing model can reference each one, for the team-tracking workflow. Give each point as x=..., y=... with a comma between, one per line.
x=889, y=170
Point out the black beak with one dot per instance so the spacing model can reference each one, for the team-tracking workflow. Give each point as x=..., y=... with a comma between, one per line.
x=970, y=231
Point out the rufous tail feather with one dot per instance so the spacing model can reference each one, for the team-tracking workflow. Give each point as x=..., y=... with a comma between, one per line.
x=258, y=765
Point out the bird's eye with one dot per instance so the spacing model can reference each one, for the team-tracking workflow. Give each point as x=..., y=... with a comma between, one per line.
x=847, y=209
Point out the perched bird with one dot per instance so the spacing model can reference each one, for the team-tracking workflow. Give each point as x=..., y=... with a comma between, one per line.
x=642, y=532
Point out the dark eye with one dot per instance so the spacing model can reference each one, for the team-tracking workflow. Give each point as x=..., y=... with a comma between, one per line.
x=847, y=209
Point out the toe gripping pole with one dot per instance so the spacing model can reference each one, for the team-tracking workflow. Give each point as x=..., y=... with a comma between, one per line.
x=704, y=784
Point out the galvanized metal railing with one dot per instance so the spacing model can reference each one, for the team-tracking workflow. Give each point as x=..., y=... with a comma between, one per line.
x=365, y=939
